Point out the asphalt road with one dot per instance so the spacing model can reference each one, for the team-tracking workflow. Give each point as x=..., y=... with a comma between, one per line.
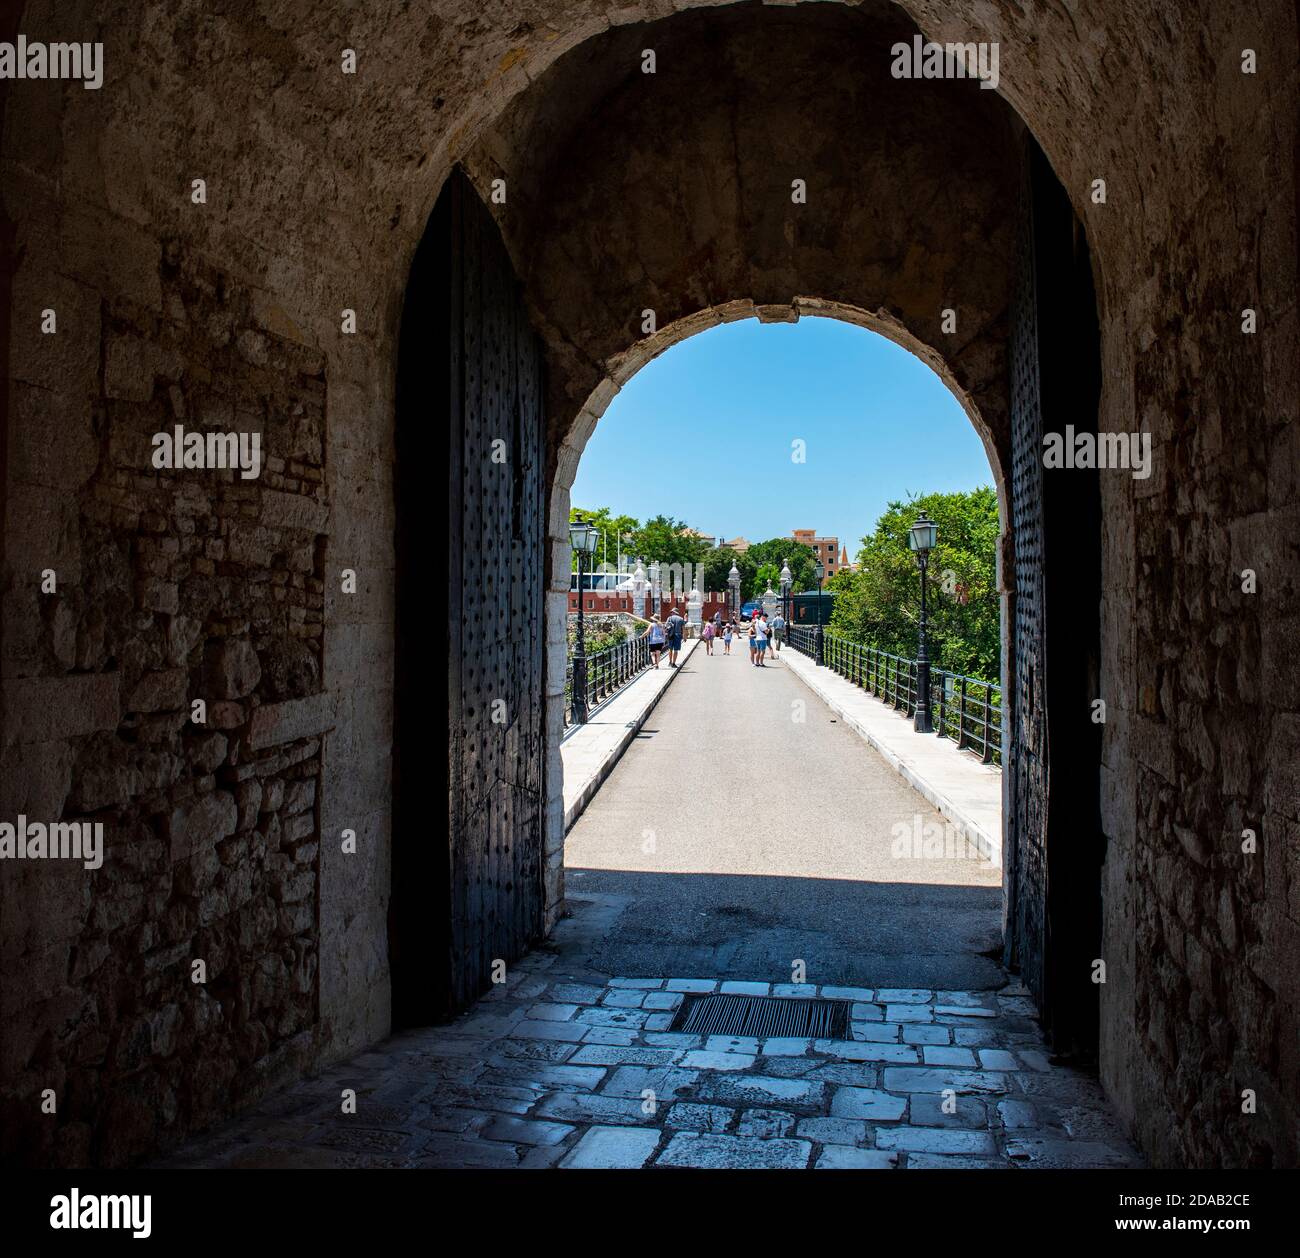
x=746, y=829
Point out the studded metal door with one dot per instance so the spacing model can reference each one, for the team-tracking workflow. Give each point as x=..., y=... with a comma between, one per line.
x=495, y=643
x=1027, y=759
x=1055, y=845
x=470, y=404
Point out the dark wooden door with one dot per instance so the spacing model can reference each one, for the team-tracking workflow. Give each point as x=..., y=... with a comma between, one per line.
x=1054, y=845
x=1027, y=760
x=470, y=611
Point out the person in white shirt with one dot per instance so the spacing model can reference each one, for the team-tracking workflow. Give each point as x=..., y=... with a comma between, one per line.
x=657, y=637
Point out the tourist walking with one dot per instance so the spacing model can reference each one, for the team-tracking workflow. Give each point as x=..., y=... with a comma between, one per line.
x=658, y=637
x=760, y=640
x=673, y=626
x=753, y=641
x=726, y=638
x=708, y=636
x=778, y=632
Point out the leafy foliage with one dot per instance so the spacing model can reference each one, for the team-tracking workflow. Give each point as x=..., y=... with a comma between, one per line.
x=761, y=562
x=611, y=526
x=880, y=604
x=660, y=538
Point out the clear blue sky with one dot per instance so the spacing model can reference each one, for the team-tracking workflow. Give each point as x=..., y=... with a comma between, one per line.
x=703, y=433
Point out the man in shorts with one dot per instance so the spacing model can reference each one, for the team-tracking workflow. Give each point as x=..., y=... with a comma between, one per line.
x=778, y=631
x=673, y=626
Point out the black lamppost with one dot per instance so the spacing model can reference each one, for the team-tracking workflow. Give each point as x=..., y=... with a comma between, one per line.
x=733, y=584
x=921, y=539
x=583, y=538
x=819, y=641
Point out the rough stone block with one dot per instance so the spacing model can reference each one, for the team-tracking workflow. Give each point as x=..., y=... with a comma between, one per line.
x=161, y=691
x=276, y=723
x=42, y=709
x=199, y=824
x=231, y=668
x=612, y=1148
x=711, y=1152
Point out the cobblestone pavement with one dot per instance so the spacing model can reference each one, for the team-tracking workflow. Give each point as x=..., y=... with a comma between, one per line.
x=558, y=1070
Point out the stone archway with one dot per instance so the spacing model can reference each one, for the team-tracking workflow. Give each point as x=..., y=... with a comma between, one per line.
x=565, y=468
x=319, y=191
x=592, y=205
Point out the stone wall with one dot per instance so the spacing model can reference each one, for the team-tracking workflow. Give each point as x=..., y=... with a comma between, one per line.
x=229, y=314
x=142, y=591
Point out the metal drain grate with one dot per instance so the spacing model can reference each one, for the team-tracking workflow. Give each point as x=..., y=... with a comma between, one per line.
x=763, y=1017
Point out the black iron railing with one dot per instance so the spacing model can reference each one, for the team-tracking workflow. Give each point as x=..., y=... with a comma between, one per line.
x=607, y=671
x=966, y=709
x=802, y=639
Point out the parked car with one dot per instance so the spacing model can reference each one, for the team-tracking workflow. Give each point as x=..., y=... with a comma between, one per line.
x=748, y=610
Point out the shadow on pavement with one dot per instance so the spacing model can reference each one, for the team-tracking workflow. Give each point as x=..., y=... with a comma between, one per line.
x=868, y=934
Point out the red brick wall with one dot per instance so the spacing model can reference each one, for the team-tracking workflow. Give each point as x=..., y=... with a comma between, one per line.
x=599, y=601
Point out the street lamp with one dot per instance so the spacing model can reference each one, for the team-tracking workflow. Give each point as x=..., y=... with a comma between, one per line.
x=819, y=637
x=921, y=538
x=786, y=582
x=583, y=538
x=733, y=583
x=656, y=589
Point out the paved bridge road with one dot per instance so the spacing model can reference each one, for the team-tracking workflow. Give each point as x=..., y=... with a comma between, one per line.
x=746, y=828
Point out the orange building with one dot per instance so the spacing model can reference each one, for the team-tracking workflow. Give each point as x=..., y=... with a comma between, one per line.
x=827, y=549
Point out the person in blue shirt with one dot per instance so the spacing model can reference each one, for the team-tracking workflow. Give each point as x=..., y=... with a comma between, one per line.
x=673, y=626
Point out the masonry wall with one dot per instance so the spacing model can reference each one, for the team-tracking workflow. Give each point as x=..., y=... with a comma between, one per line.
x=142, y=592
x=173, y=586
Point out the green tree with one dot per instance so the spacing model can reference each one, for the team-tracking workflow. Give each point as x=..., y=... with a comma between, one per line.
x=773, y=553
x=759, y=564
x=662, y=538
x=767, y=574
x=717, y=567
x=880, y=604
x=612, y=528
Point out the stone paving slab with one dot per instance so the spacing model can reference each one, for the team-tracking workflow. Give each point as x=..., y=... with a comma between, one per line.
x=523, y=1099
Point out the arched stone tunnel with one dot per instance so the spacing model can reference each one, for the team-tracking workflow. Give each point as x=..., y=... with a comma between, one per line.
x=290, y=839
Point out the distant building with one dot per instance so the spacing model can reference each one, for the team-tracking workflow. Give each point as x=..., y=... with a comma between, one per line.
x=827, y=549
x=739, y=544
x=700, y=537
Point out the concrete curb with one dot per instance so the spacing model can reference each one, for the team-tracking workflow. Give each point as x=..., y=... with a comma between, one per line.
x=578, y=806
x=990, y=845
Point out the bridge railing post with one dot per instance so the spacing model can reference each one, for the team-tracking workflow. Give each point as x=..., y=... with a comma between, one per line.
x=819, y=648
x=579, y=689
